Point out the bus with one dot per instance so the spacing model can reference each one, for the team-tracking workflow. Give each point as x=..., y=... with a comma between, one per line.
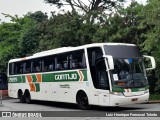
x=102, y=74
x=3, y=85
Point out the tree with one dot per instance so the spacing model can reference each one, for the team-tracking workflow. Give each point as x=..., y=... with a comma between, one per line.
x=11, y=36
x=38, y=16
x=90, y=8
x=152, y=42
x=87, y=6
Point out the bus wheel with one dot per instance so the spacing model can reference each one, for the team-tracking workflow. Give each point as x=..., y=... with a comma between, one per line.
x=82, y=101
x=22, y=99
x=21, y=96
x=27, y=97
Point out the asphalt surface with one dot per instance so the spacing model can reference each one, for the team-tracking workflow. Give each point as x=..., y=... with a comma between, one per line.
x=71, y=109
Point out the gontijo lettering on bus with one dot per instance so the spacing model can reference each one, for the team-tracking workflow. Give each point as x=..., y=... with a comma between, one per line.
x=66, y=77
x=70, y=76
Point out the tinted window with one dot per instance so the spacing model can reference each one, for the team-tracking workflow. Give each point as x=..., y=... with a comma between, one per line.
x=61, y=62
x=122, y=51
x=77, y=60
x=18, y=68
x=48, y=64
x=36, y=65
x=65, y=61
x=27, y=66
x=11, y=68
x=98, y=68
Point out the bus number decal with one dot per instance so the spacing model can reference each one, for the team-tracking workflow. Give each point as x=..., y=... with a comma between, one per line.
x=13, y=80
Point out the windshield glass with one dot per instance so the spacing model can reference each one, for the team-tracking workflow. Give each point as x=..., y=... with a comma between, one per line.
x=128, y=73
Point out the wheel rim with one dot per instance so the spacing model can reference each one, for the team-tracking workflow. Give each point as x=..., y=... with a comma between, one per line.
x=83, y=101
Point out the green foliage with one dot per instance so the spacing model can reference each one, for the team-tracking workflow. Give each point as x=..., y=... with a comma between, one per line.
x=154, y=97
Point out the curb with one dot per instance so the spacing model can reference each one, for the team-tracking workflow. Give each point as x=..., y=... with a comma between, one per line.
x=154, y=101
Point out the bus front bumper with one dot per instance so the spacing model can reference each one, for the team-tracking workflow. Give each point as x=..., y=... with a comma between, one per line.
x=116, y=100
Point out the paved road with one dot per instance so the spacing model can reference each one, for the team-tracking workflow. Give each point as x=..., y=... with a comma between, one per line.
x=15, y=105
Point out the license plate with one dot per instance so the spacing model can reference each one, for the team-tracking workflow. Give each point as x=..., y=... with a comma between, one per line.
x=135, y=99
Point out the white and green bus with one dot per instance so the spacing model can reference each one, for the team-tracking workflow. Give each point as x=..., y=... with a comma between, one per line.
x=103, y=74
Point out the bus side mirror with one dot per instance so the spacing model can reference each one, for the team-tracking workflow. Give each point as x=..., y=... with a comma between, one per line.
x=110, y=61
x=153, y=63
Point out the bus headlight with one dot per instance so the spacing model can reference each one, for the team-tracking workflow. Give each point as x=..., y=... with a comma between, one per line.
x=146, y=91
x=118, y=93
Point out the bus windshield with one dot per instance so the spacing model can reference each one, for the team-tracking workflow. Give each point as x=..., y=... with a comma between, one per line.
x=128, y=73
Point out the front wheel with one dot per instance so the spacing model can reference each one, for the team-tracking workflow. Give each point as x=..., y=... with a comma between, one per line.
x=82, y=101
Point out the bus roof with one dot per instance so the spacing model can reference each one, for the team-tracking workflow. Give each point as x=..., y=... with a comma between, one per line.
x=65, y=49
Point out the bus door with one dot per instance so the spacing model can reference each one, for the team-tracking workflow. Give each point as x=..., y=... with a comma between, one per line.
x=99, y=75
x=102, y=82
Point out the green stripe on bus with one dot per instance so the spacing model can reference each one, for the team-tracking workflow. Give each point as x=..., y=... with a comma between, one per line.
x=85, y=75
x=23, y=79
x=78, y=75
x=37, y=87
x=34, y=78
x=116, y=89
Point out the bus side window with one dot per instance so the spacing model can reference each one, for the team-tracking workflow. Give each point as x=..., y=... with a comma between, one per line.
x=78, y=60
x=48, y=63
x=36, y=65
x=11, y=68
x=28, y=66
x=61, y=62
x=18, y=69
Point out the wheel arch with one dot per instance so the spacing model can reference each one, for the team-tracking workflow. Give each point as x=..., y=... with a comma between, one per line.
x=81, y=91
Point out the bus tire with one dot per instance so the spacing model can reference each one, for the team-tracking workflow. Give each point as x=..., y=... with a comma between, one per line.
x=22, y=99
x=82, y=101
x=28, y=97
x=21, y=96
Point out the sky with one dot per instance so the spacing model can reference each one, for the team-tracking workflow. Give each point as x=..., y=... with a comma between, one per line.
x=22, y=7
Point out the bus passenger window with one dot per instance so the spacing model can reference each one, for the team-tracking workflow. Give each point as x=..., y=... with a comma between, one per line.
x=59, y=67
x=74, y=64
x=36, y=65
x=50, y=67
x=48, y=63
x=65, y=65
x=61, y=62
x=18, y=68
x=11, y=68
x=27, y=67
x=78, y=60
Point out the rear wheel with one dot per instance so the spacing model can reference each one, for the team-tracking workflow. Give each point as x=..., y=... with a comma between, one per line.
x=82, y=101
x=27, y=97
x=22, y=99
x=21, y=96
